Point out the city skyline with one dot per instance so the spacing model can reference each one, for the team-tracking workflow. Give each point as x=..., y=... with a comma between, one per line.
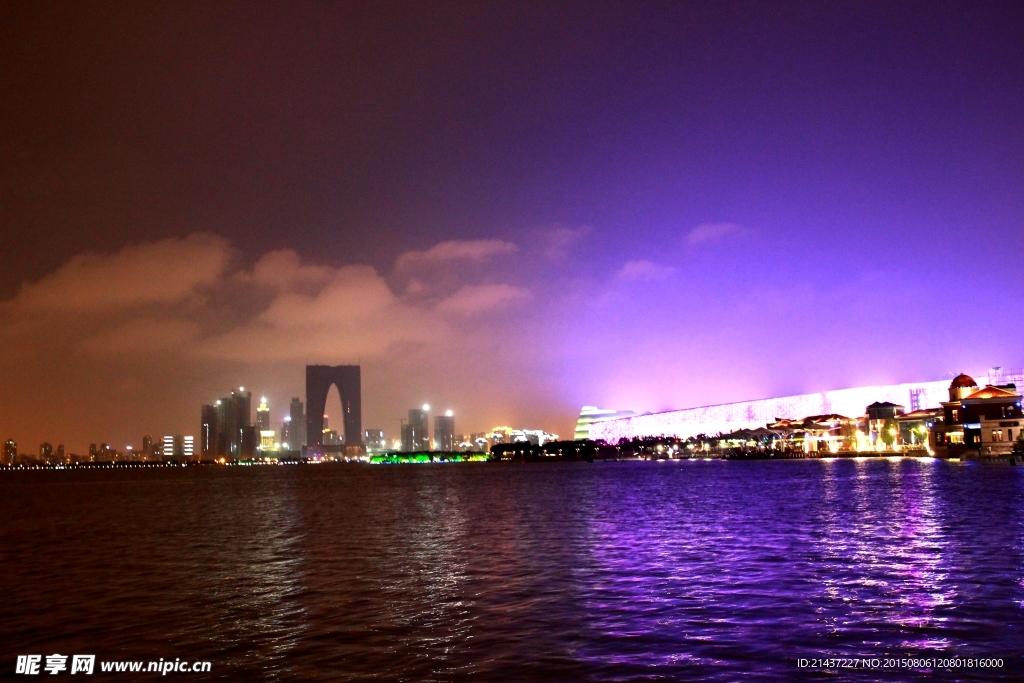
x=689, y=205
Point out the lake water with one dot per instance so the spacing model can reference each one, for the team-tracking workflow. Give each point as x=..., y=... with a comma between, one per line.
x=700, y=570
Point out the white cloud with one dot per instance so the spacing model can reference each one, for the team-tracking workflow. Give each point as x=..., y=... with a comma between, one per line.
x=355, y=314
x=283, y=270
x=163, y=272
x=456, y=250
x=710, y=232
x=477, y=299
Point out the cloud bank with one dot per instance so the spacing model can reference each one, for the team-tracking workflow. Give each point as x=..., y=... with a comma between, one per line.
x=108, y=347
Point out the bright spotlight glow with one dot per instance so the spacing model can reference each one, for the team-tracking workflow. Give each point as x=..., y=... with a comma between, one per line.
x=449, y=413
x=426, y=406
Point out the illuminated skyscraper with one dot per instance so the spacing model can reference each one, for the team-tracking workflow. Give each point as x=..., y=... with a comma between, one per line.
x=263, y=415
x=10, y=452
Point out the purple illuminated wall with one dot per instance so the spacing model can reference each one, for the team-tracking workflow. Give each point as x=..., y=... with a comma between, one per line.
x=753, y=414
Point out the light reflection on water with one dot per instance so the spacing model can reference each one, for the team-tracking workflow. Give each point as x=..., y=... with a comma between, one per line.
x=625, y=571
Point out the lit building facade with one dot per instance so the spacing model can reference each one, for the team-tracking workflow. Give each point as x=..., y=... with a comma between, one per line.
x=732, y=417
x=263, y=415
x=591, y=414
x=977, y=422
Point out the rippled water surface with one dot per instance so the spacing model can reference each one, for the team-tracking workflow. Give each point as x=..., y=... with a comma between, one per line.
x=607, y=571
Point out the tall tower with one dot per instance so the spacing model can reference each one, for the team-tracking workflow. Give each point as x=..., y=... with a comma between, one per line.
x=297, y=428
x=444, y=432
x=319, y=379
x=237, y=410
x=263, y=415
x=209, y=432
x=415, y=433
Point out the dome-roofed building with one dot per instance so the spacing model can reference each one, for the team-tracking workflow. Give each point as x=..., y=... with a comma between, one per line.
x=962, y=386
x=979, y=422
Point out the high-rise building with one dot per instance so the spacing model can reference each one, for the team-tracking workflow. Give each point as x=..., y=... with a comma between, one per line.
x=297, y=433
x=373, y=439
x=233, y=414
x=248, y=440
x=45, y=451
x=188, y=447
x=263, y=415
x=147, y=447
x=286, y=432
x=415, y=435
x=10, y=452
x=60, y=452
x=444, y=432
x=209, y=432
x=267, y=439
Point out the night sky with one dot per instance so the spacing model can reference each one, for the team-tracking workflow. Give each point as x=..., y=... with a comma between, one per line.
x=506, y=209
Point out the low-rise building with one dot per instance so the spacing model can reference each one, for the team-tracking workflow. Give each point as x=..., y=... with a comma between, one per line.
x=978, y=422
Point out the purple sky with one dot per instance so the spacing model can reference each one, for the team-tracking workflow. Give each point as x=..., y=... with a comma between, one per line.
x=507, y=209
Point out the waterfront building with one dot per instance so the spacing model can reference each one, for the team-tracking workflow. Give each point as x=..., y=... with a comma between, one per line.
x=147, y=446
x=10, y=451
x=267, y=442
x=415, y=435
x=591, y=414
x=732, y=417
x=535, y=437
x=45, y=451
x=880, y=426
x=222, y=424
x=444, y=432
x=813, y=434
x=374, y=440
x=979, y=422
x=176, y=446
x=915, y=427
